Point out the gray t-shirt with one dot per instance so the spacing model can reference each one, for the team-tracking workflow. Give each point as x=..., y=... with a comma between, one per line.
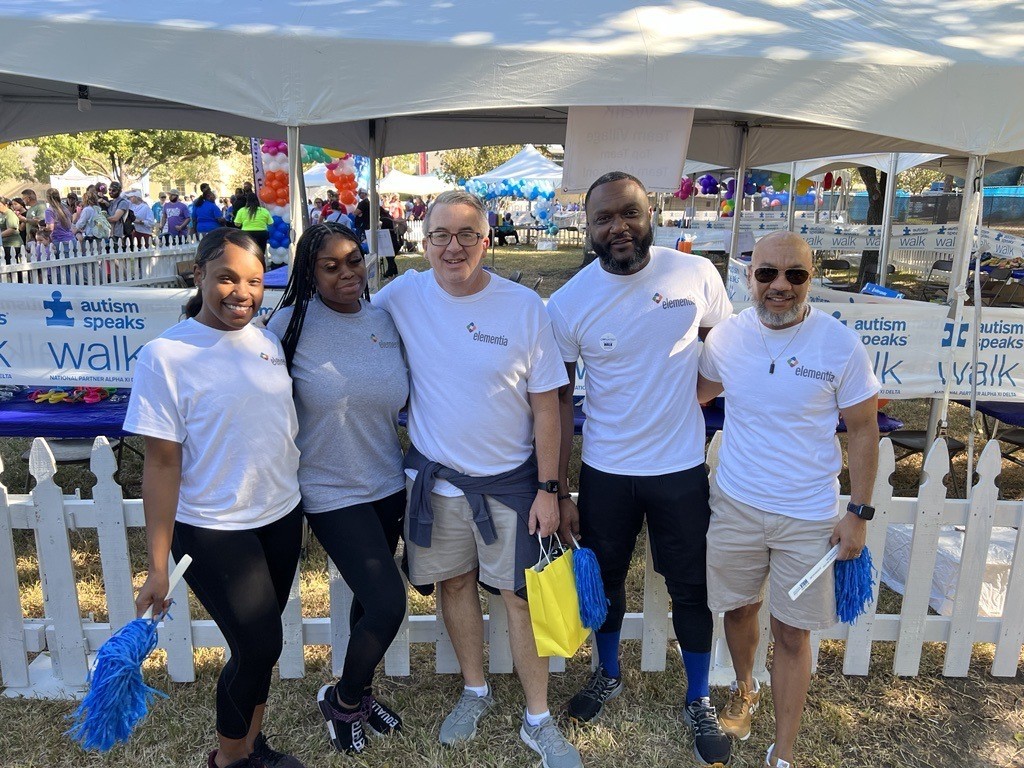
x=350, y=380
x=119, y=204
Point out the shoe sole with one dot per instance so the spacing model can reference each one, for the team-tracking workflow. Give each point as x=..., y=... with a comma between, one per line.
x=729, y=731
x=579, y=720
x=322, y=705
x=533, y=745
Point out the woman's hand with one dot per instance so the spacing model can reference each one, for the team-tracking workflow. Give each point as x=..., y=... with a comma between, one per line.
x=153, y=594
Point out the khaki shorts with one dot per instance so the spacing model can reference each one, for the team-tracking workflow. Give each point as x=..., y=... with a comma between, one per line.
x=747, y=547
x=456, y=546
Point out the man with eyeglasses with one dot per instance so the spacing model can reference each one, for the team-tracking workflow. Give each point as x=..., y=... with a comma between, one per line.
x=484, y=379
x=788, y=371
x=634, y=316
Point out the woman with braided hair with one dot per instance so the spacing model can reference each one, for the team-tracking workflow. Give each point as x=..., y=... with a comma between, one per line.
x=350, y=381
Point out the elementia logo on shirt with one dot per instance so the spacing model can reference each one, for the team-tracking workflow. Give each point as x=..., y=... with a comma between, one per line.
x=671, y=303
x=272, y=360
x=382, y=343
x=486, y=338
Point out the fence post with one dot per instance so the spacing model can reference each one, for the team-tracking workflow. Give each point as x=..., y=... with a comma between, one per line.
x=292, y=662
x=857, y=656
x=113, y=536
x=13, y=652
x=973, y=559
x=341, y=606
x=1011, y=628
x=655, y=622
x=175, y=635
x=931, y=500
x=60, y=597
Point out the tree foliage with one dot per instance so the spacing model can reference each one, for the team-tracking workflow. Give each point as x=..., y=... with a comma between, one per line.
x=918, y=179
x=11, y=165
x=463, y=163
x=126, y=156
x=405, y=163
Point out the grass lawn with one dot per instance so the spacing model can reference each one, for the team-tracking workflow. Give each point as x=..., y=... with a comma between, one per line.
x=926, y=721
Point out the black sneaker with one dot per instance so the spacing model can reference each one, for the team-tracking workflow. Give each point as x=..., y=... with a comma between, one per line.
x=271, y=757
x=252, y=761
x=344, y=728
x=379, y=718
x=588, y=703
x=710, y=744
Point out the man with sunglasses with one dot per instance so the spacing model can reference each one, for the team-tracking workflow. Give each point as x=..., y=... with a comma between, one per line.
x=634, y=316
x=484, y=378
x=788, y=371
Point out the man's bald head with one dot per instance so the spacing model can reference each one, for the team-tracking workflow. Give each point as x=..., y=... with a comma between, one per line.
x=784, y=244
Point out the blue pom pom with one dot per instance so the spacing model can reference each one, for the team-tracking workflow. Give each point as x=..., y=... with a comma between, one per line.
x=590, y=588
x=854, y=581
x=118, y=698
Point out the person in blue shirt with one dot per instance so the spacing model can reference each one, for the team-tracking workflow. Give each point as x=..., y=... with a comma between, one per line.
x=158, y=207
x=206, y=214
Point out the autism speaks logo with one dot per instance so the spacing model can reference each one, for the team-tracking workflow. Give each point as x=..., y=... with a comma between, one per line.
x=58, y=309
x=471, y=327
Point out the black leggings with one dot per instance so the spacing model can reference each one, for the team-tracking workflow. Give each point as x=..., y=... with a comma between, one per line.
x=361, y=540
x=243, y=578
x=675, y=505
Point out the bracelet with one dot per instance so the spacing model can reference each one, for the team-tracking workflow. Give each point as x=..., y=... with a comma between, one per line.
x=563, y=497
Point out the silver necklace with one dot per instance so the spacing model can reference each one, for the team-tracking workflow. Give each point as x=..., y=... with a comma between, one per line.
x=771, y=368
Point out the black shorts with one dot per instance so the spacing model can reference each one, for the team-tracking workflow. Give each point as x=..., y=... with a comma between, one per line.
x=612, y=510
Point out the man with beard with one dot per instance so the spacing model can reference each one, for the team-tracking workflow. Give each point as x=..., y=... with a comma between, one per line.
x=788, y=371
x=634, y=316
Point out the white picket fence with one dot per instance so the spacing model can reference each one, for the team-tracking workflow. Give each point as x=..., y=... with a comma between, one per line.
x=67, y=638
x=100, y=263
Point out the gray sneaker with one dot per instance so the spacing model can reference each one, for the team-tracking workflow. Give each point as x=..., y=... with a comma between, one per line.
x=548, y=742
x=460, y=725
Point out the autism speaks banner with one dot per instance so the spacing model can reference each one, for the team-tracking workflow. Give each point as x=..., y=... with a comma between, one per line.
x=91, y=336
x=66, y=335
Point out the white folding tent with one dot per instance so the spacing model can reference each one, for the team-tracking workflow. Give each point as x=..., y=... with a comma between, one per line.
x=527, y=165
x=399, y=183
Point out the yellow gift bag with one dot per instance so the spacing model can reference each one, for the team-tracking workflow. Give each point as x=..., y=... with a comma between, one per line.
x=554, y=604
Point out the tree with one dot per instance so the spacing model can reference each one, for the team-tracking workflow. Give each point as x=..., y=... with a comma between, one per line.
x=11, y=165
x=875, y=182
x=464, y=163
x=404, y=163
x=918, y=179
x=127, y=155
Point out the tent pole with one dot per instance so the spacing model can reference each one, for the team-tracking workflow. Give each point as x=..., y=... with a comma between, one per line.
x=734, y=245
x=372, y=260
x=980, y=189
x=791, y=205
x=937, y=418
x=888, y=212
x=297, y=189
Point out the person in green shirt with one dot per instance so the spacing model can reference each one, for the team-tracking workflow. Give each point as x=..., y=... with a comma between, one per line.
x=9, y=230
x=35, y=214
x=254, y=219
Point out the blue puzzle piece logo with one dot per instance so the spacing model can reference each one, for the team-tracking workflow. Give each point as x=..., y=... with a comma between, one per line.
x=59, y=309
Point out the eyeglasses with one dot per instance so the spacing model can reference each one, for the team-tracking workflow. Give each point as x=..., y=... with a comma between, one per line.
x=793, y=276
x=440, y=239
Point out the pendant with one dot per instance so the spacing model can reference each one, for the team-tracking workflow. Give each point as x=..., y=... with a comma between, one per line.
x=771, y=368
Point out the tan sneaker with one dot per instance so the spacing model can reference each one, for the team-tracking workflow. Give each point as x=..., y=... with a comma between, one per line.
x=735, y=716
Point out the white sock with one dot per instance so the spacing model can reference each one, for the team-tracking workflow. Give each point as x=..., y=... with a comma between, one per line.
x=480, y=691
x=534, y=720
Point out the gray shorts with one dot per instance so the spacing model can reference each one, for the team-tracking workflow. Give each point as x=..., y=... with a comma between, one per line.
x=456, y=546
x=748, y=546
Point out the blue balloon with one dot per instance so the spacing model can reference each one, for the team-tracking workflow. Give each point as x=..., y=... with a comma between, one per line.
x=542, y=215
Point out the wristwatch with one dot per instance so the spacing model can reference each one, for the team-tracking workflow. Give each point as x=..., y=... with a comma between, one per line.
x=863, y=511
x=551, y=486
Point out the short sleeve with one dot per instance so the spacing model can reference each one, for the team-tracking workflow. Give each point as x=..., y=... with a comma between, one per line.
x=859, y=381
x=568, y=346
x=547, y=371
x=719, y=306
x=707, y=366
x=152, y=407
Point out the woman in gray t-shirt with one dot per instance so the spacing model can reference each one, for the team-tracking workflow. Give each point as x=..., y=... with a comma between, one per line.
x=350, y=381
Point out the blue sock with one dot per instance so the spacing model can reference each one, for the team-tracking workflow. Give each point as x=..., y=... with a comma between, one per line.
x=608, y=650
x=698, y=670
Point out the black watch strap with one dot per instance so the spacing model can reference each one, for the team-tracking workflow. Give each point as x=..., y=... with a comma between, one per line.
x=551, y=486
x=863, y=511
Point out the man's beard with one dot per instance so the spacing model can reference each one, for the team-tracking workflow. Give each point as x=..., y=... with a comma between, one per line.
x=776, y=319
x=641, y=251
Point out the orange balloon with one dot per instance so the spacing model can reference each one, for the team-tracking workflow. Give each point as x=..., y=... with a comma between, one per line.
x=347, y=197
x=267, y=195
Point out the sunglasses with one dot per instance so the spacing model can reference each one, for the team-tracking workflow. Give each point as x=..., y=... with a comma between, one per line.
x=793, y=276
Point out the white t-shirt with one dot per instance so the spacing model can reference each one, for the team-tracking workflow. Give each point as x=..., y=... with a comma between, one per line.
x=227, y=398
x=472, y=362
x=637, y=335
x=779, y=448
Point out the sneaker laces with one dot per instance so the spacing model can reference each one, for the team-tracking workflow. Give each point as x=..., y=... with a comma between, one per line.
x=737, y=699
x=550, y=738
x=704, y=717
x=598, y=686
x=464, y=706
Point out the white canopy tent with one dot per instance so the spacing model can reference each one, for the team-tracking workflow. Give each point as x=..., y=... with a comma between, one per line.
x=398, y=183
x=316, y=176
x=527, y=165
